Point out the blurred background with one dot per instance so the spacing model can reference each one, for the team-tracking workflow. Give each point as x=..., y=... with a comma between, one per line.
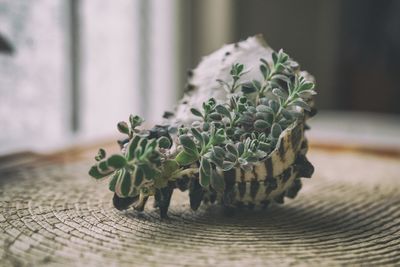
x=70, y=70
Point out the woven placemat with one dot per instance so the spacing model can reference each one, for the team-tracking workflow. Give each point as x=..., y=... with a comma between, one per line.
x=53, y=214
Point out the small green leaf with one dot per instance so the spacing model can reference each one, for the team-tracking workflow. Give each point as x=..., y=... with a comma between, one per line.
x=306, y=86
x=206, y=127
x=261, y=154
x=230, y=157
x=232, y=149
x=240, y=68
x=219, y=152
x=256, y=84
x=264, y=70
x=262, y=116
x=196, y=134
x=135, y=121
x=274, y=57
x=264, y=146
x=282, y=77
x=274, y=106
x=196, y=112
x=227, y=165
x=261, y=125
x=215, y=116
x=217, y=181
x=248, y=88
x=205, y=166
x=307, y=93
x=215, y=159
x=126, y=183
x=276, y=130
x=219, y=137
x=206, y=137
x=116, y=161
x=139, y=174
x=263, y=61
x=123, y=127
x=164, y=142
x=242, y=161
x=184, y=158
x=100, y=155
x=223, y=110
x=264, y=109
x=102, y=166
x=143, y=143
x=152, y=144
x=132, y=145
x=188, y=145
x=279, y=68
x=301, y=104
x=240, y=148
x=113, y=181
x=169, y=167
x=279, y=93
x=286, y=114
x=95, y=173
x=204, y=179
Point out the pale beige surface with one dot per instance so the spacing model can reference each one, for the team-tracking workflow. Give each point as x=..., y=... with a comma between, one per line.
x=347, y=214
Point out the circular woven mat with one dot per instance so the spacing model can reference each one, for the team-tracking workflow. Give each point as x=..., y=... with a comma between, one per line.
x=348, y=214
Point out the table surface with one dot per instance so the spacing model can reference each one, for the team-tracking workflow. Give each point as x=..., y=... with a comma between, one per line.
x=53, y=213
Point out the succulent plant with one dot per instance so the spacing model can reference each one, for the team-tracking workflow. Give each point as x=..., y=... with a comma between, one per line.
x=245, y=148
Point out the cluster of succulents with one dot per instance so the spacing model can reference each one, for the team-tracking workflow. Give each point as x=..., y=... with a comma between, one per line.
x=230, y=135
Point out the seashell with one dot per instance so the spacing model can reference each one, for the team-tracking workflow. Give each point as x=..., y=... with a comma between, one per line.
x=269, y=180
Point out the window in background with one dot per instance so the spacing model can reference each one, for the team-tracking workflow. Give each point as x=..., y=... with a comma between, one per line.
x=34, y=96
x=79, y=67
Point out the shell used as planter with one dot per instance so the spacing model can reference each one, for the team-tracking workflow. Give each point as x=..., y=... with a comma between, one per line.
x=270, y=179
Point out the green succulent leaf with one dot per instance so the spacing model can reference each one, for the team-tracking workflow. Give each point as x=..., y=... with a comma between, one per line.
x=116, y=161
x=204, y=178
x=261, y=125
x=227, y=165
x=126, y=183
x=114, y=180
x=306, y=86
x=217, y=181
x=248, y=88
x=205, y=165
x=139, y=175
x=279, y=93
x=123, y=127
x=196, y=112
x=164, y=142
x=132, y=145
x=188, y=145
x=95, y=173
x=184, y=158
x=135, y=121
x=276, y=130
x=302, y=104
x=196, y=134
x=232, y=149
x=223, y=111
x=169, y=167
x=101, y=154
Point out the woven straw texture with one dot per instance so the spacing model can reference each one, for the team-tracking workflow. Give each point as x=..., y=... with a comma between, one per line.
x=53, y=214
